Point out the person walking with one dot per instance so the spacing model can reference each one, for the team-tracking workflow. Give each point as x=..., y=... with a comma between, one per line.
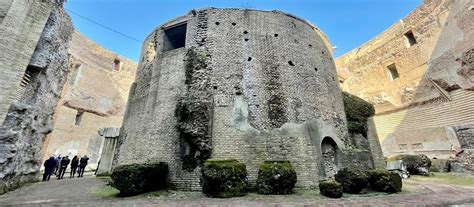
x=57, y=161
x=49, y=166
x=64, y=163
x=74, y=164
x=82, y=165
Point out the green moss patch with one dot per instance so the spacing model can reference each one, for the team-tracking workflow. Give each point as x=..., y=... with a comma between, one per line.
x=357, y=112
x=276, y=177
x=385, y=181
x=134, y=179
x=330, y=188
x=352, y=180
x=224, y=178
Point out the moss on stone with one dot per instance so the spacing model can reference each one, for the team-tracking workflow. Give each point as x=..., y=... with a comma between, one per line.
x=352, y=180
x=276, y=177
x=224, y=178
x=134, y=179
x=357, y=112
x=330, y=188
x=385, y=181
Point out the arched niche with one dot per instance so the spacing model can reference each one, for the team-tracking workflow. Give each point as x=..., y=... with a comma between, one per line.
x=329, y=155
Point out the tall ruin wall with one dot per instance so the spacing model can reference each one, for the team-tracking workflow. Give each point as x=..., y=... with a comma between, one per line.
x=34, y=59
x=94, y=97
x=418, y=75
x=234, y=84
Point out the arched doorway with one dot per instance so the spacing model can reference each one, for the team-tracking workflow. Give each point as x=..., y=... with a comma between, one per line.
x=329, y=156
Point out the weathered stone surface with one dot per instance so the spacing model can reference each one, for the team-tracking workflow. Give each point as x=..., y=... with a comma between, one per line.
x=29, y=118
x=94, y=97
x=432, y=89
x=452, y=62
x=253, y=86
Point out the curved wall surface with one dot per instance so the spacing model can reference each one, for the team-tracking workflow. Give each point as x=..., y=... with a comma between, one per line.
x=233, y=84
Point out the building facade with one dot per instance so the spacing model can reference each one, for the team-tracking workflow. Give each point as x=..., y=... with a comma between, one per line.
x=94, y=97
x=418, y=74
x=235, y=84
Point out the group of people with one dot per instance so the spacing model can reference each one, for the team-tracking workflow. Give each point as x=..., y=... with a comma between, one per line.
x=58, y=165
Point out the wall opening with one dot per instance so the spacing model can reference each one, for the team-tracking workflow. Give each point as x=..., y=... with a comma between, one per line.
x=329, y=157
x=76, y=75
x=410, y=38
x=117, y=64
x=174, y=37
x=78, y=119
x=30, y=73
x=393, y=72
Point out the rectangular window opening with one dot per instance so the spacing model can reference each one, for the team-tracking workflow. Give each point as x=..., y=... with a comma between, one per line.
x=392, y=70
x=78, y=118
x=174, y=37
x=417, y=146
x=30, y=73
x=410, y=38
x=117, y=64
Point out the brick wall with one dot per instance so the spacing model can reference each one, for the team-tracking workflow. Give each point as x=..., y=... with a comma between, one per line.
x=269, y=79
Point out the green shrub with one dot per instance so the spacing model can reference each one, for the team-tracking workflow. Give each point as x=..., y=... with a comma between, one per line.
x=438, y=165
x=352, y=180
x=385, y=181
x=357, y=112
x=224, y=178
x=134, y=179
x=276, y=177
x=330, y=188
x=417, y=164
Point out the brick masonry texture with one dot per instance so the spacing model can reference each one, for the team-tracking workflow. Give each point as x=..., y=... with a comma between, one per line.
x=268, y=78
x=94, y=88
x=30, y=111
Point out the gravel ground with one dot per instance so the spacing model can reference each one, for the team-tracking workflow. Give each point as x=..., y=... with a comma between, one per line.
x=83, y=192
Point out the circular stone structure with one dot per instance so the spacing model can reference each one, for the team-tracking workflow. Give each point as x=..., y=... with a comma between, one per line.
x=235, y=84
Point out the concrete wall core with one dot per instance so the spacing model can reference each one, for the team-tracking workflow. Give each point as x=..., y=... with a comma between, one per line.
x=34, y=67
x=247, y=85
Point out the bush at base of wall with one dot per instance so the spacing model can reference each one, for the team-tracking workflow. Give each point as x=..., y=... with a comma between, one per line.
x=416, y=164
x=330, y=188
x=352, y=180
x=224, y=178
x=385, y=181
x=276, y=177
x=134, y=179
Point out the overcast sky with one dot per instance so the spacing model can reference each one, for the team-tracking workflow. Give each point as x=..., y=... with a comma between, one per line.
x=347, y=23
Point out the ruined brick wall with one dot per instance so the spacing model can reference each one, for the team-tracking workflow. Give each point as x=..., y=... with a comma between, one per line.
x=21, y=25
x=30, y=114
x=418, y=111
x=248, y=85
x=96, y=90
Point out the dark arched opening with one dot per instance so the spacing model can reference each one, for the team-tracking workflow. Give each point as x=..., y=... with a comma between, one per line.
x=329, y=152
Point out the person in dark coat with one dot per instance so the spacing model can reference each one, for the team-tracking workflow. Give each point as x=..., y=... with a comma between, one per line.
x=82, y=165
x=74, y=164
x=64, y=163
x=49, y=166
x=58, y=162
